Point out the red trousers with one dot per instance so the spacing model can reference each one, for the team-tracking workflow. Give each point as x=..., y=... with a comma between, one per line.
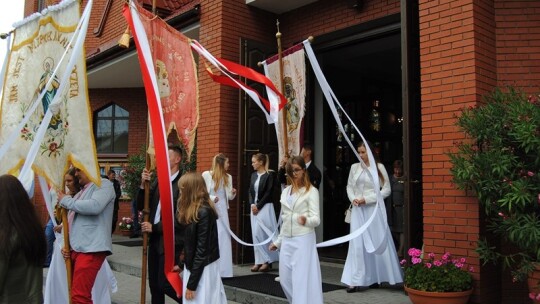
x=85, y=269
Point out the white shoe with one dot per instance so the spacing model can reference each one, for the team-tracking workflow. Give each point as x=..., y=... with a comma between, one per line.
x=276, y=279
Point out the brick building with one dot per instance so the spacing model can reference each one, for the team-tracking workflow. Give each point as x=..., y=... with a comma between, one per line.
x=421, y=60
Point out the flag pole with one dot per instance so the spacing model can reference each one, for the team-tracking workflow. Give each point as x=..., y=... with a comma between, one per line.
x=65, y=227
x=282, y=82
x=146, y=210
x=146, y=215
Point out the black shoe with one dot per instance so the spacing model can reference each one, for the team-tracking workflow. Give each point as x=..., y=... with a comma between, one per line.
x=374, y=285
x=356, y=289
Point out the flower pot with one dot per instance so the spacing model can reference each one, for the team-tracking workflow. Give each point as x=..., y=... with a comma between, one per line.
x=533, y=280
x=125, y=232
x=426, y=297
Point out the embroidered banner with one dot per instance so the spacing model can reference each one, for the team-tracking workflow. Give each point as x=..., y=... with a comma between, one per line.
x=176, y=75
x=47, y=71
x=294, y=80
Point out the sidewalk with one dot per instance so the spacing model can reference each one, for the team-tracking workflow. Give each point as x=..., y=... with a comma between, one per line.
x=126, y=262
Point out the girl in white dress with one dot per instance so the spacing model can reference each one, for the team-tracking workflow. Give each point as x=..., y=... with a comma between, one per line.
x=202, y=282
x=263, y=216
x=219, y=186
x=364, y=269
x=299, y=268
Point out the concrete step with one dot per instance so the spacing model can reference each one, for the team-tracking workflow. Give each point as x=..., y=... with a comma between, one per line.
x=127, y=260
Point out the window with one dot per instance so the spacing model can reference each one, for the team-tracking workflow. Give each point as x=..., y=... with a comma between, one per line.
x=111, y=130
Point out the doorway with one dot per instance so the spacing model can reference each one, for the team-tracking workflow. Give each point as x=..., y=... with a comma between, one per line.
x=363, y=65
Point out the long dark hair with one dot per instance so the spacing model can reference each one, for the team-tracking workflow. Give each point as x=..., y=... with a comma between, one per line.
x=20, y=228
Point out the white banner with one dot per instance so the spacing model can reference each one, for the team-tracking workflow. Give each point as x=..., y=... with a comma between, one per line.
x=50, y=93
x=294, y=80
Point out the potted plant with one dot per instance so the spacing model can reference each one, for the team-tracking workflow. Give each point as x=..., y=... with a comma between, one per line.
x=500, y=163
x=429, y=281
x=126, y=225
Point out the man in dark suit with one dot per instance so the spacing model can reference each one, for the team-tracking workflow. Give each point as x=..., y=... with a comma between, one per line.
x=159, y=286
x=313, y=172
x=111, y=175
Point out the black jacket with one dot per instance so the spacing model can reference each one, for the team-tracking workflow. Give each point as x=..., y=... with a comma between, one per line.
x=201, y=245
x=156, y=237
x=266, y=188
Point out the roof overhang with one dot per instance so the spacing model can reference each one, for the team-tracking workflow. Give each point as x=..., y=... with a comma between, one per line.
x=279, y=6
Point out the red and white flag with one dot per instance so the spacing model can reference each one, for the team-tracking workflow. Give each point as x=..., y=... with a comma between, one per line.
x=146, y=43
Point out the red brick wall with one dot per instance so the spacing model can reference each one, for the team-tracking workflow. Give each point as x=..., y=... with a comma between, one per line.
x=467, y=48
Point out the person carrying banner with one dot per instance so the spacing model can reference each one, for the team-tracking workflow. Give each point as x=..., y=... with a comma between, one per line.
x=299, y=267
x=263, y=215
x=197, y=212
x=23, y=245
x=90, y=232
x=219, y=186
x=158, y=283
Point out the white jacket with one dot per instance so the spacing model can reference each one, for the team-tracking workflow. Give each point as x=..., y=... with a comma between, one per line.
x=306, y=204
x=366, y=191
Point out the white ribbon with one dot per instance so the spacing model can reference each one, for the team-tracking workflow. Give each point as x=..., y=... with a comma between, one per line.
x=266, y=230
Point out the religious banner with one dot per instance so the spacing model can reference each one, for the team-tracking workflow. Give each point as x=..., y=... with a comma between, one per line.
x=176, y=75
x=294, y=81
x=47, y=72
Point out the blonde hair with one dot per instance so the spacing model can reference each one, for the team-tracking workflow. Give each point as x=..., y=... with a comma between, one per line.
x=218, y=171
x=262, y=158
x=193, y=195
x=298, y=160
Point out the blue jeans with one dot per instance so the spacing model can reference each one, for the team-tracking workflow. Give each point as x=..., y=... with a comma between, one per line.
x=49, y=236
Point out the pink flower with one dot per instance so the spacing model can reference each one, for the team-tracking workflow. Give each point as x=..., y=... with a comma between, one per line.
x=462, y=260
x=431, y=255
x=437, y=263
x=428, y=265
x=416, y=260
x=458, y=265
x=471, y=269
x=529, y=173
x=402, y=262
x=446, y=256
x=413, y=252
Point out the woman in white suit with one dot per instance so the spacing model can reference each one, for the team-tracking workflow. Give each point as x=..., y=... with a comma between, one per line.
x=363, y=269
x=299, y=267
x=219, y=186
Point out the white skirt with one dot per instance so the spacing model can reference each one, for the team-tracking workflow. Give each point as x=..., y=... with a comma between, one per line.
x=210, y=289
x=224, y=241
x=299, y=270
x=363, y=268
x=266, y=217
x=56, y=290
